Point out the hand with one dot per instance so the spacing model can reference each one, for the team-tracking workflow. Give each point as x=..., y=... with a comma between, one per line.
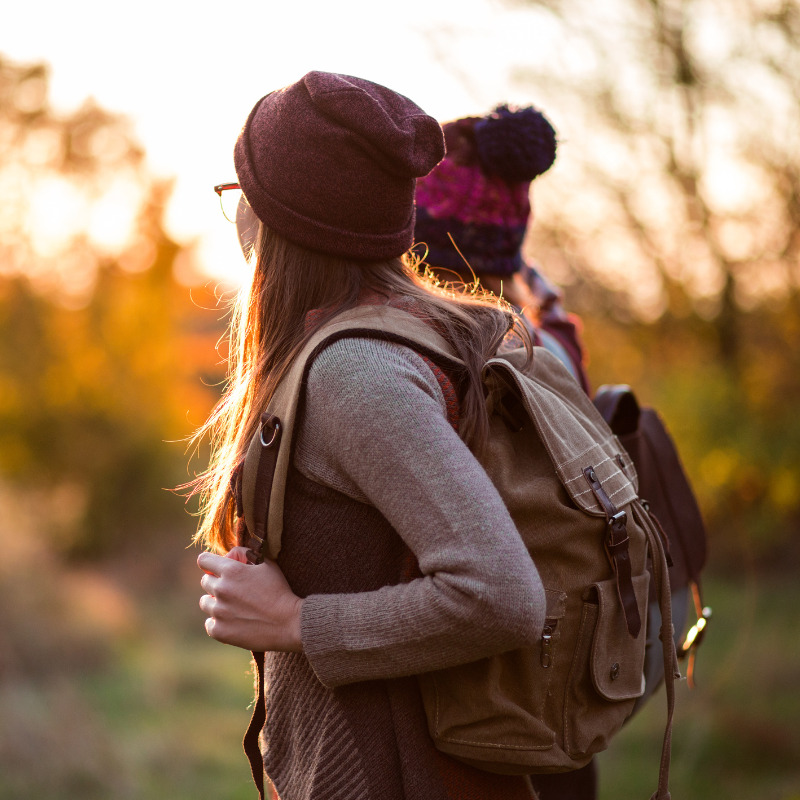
x=249, y=606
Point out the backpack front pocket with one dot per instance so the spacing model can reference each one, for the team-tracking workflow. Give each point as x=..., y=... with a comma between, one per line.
x=492, y=713
x=485, y=712
x=607, y=672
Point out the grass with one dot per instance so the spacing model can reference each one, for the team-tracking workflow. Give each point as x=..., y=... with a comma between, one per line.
x=148, y=707
x=144, y=706
x=176, y=708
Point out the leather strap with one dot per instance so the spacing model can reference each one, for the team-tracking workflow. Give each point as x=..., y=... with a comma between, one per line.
x=264, y=448
x=618, y=553
x=661, y=533
x=667, y=633
x=252, y=484
x=235, y=487
x=258, y=467
x=250, y=741
x=263, y=451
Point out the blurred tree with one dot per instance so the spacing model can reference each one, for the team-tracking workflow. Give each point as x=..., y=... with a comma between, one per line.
x=56, y=169
x=682, y=127
x=101, y=353
x=675, y=215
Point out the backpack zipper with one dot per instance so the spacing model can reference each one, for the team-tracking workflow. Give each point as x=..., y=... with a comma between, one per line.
x=547, y=642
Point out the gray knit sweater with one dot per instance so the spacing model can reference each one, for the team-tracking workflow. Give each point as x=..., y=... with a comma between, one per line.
x=375, y=429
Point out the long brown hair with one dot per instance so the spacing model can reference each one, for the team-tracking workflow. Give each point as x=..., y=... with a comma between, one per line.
x=268, y=330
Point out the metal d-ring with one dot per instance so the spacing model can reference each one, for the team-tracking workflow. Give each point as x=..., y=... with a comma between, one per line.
x=275, y=430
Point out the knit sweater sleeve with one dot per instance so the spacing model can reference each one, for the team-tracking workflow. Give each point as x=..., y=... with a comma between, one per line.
x=375, y=428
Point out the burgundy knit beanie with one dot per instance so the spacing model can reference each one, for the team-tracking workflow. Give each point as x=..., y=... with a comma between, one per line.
x=479, y=194
x=330, y=163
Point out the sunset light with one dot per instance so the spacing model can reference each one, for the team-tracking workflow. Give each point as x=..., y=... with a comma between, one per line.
x=453, y=456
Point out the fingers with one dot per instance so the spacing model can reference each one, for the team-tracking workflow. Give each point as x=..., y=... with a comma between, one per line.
x=214, y=567
x=210, y=626
x=208, y=605
x=247, y=606
x=217, y=565
x=215, y=627
x=209, y=583
x=218, y=624
x=220, y=631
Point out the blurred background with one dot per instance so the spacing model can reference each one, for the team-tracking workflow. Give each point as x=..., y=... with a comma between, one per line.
x=671, y=219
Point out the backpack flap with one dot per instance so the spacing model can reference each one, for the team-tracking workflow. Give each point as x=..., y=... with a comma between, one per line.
x=573, y=431
x=619, y=408
x=589, y=460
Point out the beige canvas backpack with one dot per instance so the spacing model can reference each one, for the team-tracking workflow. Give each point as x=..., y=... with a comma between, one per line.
x=571, y=490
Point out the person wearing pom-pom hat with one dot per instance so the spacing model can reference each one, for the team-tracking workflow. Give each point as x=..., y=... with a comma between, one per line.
x=474, y=208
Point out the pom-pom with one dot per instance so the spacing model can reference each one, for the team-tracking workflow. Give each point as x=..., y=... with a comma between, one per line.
x=516, y=145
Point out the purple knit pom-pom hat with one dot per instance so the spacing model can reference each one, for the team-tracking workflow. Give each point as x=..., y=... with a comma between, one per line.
x=479, y=193
x=330, y=163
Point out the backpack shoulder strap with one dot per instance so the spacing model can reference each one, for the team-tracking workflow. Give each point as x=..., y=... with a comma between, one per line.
x=619, y=407
x=683, y=510
x=269, y=456
x=663, y=478
x=262, y=478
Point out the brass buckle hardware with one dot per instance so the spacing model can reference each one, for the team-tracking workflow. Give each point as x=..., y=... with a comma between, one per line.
x=694, y=636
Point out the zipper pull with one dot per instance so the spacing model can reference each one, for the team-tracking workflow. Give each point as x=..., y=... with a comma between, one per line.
x=547, y=642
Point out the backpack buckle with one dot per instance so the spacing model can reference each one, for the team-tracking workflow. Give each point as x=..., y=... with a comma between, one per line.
x=619, y=521
x=695, y=635
x=268, y=420
x=617, y=551
x=617, y=527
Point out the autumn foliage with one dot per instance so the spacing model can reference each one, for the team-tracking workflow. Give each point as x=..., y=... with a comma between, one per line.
x=108, y=366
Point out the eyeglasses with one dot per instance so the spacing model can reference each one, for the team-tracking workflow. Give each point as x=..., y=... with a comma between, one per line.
x=236, y=209
x=229, y=196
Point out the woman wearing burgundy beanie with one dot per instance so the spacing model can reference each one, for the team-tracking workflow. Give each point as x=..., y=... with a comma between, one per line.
x=398, y=556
